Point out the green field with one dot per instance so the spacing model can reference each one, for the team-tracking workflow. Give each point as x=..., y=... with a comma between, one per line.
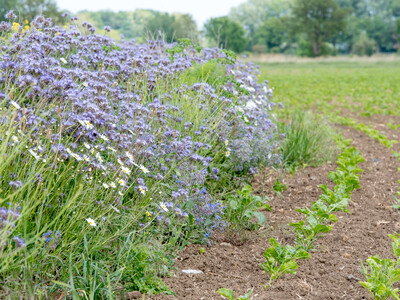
x=366, y=88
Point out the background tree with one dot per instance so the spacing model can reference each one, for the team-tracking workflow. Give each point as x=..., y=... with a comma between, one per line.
x=5, y=6
x=172, y=27
x=254, y=13
x=320, y=20
x=160, y=26
x=28, y=9
x=130, y=24
x=226, y=33
x=185, y=27
x=275, y=34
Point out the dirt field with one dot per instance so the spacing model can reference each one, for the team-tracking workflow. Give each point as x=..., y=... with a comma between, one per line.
x=334, y=269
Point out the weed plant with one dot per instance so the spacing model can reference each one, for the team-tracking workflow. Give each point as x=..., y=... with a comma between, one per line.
x=241, y=209
x=308, y=141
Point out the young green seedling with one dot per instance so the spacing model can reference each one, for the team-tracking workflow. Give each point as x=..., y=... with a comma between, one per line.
x=383, y=273
x=281, y=260
x=231, y=295
x=308, y=233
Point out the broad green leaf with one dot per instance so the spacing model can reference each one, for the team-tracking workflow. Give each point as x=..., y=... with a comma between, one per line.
x=333, y=218
x=289, y=267
x=322, y=228
x=226, y=293
x=366, y=284
x=260, y=217
x=234, y=204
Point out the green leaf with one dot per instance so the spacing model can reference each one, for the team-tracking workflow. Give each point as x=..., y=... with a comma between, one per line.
x=322, y=228
x=380, y=289
x=226, y=293
x=246, y=296
x=333, y=218
x=289, y=267
x=267, y=207
x=234, y=204
x=260, y=217
x=366, y=284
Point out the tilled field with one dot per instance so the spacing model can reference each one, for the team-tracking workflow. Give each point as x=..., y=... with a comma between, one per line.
x=333, y=271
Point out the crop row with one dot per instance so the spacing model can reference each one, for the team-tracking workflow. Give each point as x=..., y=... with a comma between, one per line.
x=319, y=217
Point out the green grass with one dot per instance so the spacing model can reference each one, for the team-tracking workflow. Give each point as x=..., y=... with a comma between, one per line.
x=309, y=141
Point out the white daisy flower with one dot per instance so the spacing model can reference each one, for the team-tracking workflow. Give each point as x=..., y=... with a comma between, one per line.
x=130, y=156
x=15, y=104
x=144, y=169
x=14, y=139
x=142, y=189
x=86, y=124
x=105, y=185
x=112, y=184
x=91, y=222
x=104, y=137
x=86, y=145
x=122, y=182
x=76, y=156
x=126, y=170
x=63, y=60
x=99, y=158
x=162, y=205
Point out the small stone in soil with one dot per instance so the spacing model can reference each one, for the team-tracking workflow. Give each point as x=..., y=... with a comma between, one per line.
x=192, y=271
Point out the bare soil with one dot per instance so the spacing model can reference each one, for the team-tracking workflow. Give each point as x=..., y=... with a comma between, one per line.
x=333, y=271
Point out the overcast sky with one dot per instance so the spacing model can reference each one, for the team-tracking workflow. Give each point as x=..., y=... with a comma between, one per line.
x=201, y=10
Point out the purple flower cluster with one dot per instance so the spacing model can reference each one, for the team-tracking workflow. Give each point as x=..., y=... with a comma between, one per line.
x=52, y=239
x=115, y=101
x=8, y=217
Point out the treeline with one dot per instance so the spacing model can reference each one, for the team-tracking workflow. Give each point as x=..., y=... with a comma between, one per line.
x=297, y=27
x=319, y=27
x=143, y=24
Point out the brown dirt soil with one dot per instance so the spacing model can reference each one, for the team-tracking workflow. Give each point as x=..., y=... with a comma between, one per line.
x=334, y=269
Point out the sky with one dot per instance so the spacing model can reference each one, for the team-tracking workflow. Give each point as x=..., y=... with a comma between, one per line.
x=201, y=10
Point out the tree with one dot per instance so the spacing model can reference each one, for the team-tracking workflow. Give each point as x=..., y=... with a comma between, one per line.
x=375, y=18
x=160, y=26
x=364, y=45
x=254, y=13
x=274, y=33
x=172, y=27
x=319, y=20
x=185, y=27
x=226, y=33
x=29, y=9
x=6, y=6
